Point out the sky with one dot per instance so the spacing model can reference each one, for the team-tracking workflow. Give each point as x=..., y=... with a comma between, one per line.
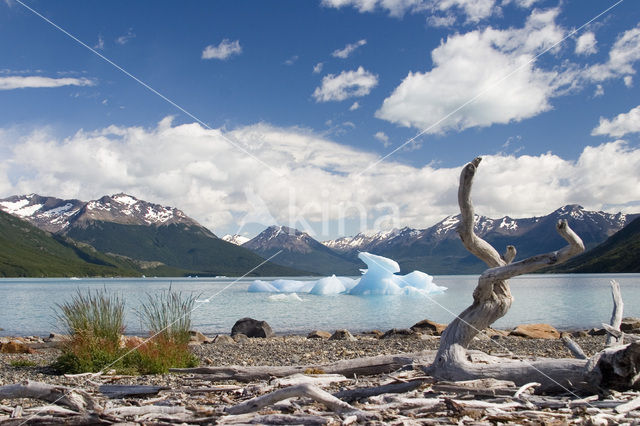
x=330, y=116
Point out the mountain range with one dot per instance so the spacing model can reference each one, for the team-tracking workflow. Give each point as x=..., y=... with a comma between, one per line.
x=160, y=240
x=149, y=238
x=437, y=249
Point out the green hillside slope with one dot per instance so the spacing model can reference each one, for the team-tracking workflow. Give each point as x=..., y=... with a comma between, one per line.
x=26, y=251
x=620, y=253
x=191, y=248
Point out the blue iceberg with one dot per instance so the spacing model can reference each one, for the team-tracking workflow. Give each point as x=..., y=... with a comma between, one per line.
x=380, y=278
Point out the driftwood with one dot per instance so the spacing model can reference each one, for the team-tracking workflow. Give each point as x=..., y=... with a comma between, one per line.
x=616, y=315
x=492, y=299
x=349, y=368
x=75, y=399
x=302, y=390
x=575, y=349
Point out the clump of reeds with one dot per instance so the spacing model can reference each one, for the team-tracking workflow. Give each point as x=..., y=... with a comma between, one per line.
x=95, y=323
x=167, y=316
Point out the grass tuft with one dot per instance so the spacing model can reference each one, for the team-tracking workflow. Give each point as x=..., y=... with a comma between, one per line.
x=21, y=362
x=95, y=323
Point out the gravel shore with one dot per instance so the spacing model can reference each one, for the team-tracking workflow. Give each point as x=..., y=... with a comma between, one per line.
x=296, y=350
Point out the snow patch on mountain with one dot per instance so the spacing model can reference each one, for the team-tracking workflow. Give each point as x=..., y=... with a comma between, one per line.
x=235, y=239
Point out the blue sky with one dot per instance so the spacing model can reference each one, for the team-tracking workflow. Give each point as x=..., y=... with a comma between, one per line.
x=303, y=99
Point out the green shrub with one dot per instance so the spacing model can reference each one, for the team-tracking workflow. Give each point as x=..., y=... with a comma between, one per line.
x=95, y=315
x=22, y=363
x=95, y=323
x=167, y=315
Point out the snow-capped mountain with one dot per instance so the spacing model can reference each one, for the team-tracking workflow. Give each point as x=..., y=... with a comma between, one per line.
x=235, y=239
x=55, y=215
x=438, y=249
x=299, y=250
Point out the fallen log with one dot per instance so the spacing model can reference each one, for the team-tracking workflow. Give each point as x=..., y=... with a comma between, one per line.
x=351, y=367
x=302, y=390
x=75, y=399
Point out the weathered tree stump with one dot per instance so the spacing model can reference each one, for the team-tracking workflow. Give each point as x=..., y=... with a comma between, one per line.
x=492, y=299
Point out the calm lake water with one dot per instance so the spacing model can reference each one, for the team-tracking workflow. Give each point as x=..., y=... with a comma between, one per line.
x=565, y=301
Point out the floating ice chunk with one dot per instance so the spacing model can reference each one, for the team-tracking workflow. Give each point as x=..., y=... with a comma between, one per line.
x=328, y=285
x=288, y=286
x=348, y=283
x=378, y=279
x=259, y=286
x=280, y=297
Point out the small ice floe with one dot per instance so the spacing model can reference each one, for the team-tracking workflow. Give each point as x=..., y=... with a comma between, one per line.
x=282, y=297
x=380, y=278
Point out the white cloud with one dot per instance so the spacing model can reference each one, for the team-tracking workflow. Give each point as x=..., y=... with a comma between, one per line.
x=292, y=60
x=628, y=81
x=599, y=91
x=317, y=69
x=586, y=44
x=475, y=10
x=441, y=21
x=481, y=78
x=347, y=84
x=382, y=137
x=624, y=53
x=100, y=44
x=395, y=8
x=354, y=106
x=125, y=38
x=222, y=51
x=522, y=3
x=22, y=82
x=621, y=125
x=197, y=170
x=346, y=51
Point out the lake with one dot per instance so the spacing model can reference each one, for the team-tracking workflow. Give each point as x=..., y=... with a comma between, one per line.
x=565, y=301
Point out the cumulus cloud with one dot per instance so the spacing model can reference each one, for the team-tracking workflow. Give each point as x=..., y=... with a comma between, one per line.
x=628, y=81
x=474, y=10
x=623, y=54
x=621, y=125
x=347, y=84
x=480, y=78
x=22, y=82
x=318, y=180
x=586, y=44
x=317, y=69
x=441, y=21
x=346, y=51
x=382, y=137
x=599, y=91
x=222, y=51
x=354, y=106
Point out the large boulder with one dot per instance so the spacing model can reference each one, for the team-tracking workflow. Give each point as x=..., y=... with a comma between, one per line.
x=252, y=328
x=536, y=331
x=429, y=327
x=342, y=335
x=15, y=347
x=398, y=333
x=630, y=324
x=319, y=334
x=223, y=339
x=197, y=338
